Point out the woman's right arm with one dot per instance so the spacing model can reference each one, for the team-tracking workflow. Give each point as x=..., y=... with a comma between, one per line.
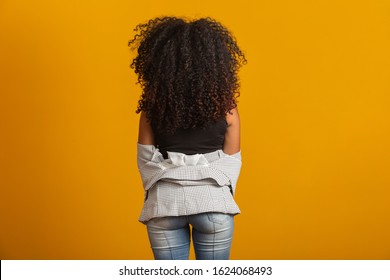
x=231, y=144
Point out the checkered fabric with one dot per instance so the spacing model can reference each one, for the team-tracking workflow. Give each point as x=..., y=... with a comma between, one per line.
x=187, y=184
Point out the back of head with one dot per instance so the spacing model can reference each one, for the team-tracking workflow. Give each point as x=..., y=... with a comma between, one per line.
x=187, y=71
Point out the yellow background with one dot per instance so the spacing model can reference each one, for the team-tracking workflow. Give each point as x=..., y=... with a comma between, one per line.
x=314, y=106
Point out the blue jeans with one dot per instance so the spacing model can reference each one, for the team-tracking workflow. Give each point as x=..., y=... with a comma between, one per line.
x=211, y=233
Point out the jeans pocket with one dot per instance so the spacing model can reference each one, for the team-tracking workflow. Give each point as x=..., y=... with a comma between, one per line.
x=218, y=218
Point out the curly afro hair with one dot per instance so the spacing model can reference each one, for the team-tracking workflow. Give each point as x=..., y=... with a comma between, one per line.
x=187, y=71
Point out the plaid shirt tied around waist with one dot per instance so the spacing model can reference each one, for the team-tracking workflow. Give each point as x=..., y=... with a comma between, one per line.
x=187, y=184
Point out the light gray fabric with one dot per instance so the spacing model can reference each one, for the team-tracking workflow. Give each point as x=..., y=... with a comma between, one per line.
x=187, y=184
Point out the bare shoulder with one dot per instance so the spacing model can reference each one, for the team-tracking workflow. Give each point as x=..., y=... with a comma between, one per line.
x=145, y=132
x=232, y=117
x=231, y=143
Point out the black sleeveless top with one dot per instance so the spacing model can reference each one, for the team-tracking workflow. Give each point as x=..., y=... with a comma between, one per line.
x=193, y=141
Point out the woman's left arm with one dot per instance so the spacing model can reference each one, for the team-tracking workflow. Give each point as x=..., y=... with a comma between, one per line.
x=145, y=132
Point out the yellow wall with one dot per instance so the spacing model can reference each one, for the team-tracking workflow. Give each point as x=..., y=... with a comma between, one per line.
x=315, y=112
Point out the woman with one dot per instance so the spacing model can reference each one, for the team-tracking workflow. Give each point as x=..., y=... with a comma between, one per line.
x=189, y=152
